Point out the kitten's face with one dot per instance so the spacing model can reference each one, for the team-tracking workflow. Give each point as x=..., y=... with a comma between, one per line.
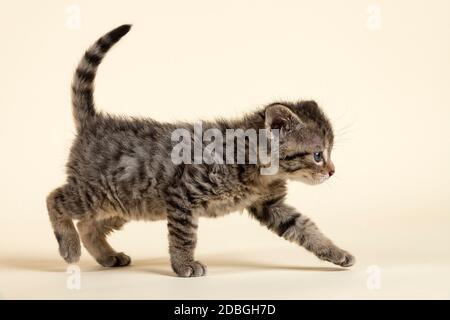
x=306, y=141
x=309, y=167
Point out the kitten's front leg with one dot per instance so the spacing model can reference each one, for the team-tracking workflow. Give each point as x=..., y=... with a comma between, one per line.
x=293, y=226
x=182, y=224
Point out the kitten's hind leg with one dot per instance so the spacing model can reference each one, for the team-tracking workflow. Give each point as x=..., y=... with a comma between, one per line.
x=63, y=204
x=93, y=235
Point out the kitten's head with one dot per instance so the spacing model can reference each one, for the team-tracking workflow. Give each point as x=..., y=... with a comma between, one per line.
x=305, y=139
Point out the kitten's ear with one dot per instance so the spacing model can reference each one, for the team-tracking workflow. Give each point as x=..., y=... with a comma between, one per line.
x=281, y=117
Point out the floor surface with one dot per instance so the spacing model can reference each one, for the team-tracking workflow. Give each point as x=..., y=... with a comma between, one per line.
x=275, y=270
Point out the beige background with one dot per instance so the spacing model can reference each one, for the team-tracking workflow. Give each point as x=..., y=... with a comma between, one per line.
x=383, y=80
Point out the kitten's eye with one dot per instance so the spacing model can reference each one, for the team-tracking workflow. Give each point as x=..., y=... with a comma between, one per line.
x=317, y=157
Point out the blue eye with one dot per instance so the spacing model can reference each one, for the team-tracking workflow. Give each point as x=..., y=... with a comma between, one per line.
x=317, y=156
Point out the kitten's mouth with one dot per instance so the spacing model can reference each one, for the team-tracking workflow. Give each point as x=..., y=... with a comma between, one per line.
x=322, y=179
x=312, y=180
x=317, y=182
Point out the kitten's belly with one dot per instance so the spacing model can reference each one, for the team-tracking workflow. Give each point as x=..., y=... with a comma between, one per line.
x=217, y=208
x=153, y=215
x=153, y=210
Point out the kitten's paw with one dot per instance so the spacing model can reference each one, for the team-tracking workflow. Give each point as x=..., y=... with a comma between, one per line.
x=190, y=269
x=117, y=260
x=69, y=246
x=348, y=261
x=337, y=256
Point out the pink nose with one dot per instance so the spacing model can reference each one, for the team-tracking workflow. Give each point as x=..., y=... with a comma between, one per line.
x=331, y=172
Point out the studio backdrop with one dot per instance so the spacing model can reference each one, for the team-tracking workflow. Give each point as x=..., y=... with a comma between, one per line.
x=379, y=69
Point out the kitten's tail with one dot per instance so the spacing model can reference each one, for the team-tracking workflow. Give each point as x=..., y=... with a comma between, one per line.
x=83, y=81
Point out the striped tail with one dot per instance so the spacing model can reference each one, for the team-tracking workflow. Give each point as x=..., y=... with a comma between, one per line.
x=83, y=81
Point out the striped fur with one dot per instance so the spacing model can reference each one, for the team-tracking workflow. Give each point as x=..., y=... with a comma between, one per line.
x=119, y=169
x=83, y=81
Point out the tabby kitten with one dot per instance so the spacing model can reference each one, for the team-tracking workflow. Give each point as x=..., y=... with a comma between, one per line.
x=119, y=170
